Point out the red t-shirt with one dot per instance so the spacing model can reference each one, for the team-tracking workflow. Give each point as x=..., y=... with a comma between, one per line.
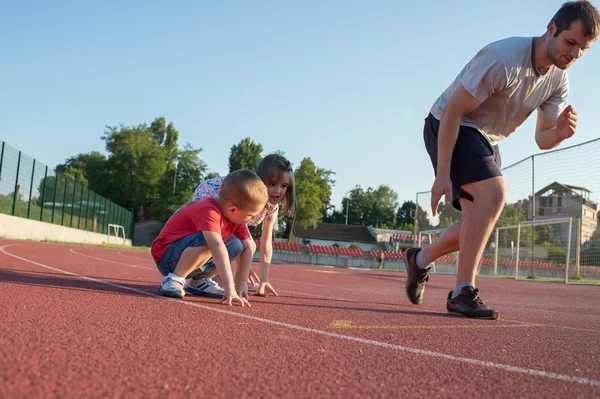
x=203, y=215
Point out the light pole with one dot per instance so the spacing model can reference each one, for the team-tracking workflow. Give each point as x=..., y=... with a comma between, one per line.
x=174, y=182
x=347, y=206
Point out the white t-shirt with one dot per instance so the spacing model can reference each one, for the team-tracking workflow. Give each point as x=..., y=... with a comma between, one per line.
x=504, y=78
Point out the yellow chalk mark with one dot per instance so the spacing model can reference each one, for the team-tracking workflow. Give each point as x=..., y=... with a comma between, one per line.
x=348, y=324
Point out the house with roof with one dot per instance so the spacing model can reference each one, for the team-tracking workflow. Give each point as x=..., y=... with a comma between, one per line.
x=563, y=200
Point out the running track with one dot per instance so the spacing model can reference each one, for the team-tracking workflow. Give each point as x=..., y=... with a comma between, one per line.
x=87, y=322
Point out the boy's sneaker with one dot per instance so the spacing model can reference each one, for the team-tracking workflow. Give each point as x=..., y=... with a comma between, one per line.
x=171, y=287
x=468, y=304
x=415, y=282
x=204, y=286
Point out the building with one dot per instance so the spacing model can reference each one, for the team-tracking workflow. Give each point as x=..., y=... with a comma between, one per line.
x=560, y=200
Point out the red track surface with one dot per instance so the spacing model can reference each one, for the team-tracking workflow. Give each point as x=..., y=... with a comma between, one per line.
x=88, y=322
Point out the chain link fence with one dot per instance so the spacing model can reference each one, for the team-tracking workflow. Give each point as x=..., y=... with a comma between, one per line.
x=29, y=189
x=549, y=227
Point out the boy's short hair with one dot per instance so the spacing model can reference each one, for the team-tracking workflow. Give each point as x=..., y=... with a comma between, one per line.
x=244, y=189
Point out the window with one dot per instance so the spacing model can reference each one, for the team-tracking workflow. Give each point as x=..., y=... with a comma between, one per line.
x=559, y=202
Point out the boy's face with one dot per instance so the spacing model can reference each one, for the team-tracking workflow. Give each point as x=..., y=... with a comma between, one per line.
x=242, y=215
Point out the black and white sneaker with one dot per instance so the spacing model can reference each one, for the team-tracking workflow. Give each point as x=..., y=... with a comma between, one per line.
x=469, y=304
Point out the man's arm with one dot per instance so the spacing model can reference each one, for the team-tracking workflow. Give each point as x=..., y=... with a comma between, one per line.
x=550, y=133
x=460, y=104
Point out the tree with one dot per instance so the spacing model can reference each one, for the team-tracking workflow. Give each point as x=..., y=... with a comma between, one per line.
x=313, y=192
x=137, y=165
x=211, y=175
x=406, y=216
x=386, y=202
x=371, y=207
x=84, y=168
x=178, y=185
x=144, y=164
x=448, y=215
x=245, y=155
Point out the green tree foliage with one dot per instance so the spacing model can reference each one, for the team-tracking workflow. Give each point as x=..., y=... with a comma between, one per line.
x=144, y=164
x=245, y=155
x=313, y=192
x=405, y=217
x=84, y=167
x=448, y=215
x=370, y=207
x=178, y=185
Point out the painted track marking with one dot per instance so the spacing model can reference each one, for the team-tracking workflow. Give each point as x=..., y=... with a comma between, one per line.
x=348, y=324
x=401, y=348
x=353, y=300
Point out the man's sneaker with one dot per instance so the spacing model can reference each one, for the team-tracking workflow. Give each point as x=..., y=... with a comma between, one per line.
x=204, y=286
x=468, y=304
x=415, y=282
x=171, y=287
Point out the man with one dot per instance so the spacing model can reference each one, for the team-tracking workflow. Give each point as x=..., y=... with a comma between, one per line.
x=492, y=96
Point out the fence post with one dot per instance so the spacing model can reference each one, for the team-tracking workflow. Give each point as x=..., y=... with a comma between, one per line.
x=1, y=159
x=496, y=252
x=518, y=250
x=31, y=188
x=73, y=202
x=43, y=193
x=80, y=207
x=17, y=187
x=54, y=199
x=568, y=251
x=533, y=212
x=94, y=212
x=87, y=210
x=132, y=225
x=578, y=248
x=62, y=218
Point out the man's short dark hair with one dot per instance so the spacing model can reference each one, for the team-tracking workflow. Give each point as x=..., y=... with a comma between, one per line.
x=582, y=10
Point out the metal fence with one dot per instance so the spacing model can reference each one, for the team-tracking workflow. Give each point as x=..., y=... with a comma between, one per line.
x=557, y=184
x=29, y=189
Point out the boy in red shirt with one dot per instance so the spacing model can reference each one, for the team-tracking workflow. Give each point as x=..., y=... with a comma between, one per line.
x=199, y=231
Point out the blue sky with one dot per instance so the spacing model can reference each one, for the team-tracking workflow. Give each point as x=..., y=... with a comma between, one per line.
x=347, y=83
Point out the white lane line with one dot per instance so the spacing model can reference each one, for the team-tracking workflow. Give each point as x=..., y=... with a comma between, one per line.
x=401, y=348
x=110, y=261
x=353, y=300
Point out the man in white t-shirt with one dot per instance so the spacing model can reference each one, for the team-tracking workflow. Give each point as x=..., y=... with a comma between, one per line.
x=493, y=95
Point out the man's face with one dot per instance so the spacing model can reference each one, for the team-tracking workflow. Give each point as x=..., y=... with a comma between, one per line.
x=568, y=46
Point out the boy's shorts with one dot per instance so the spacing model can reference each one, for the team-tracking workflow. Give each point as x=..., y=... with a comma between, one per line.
x=169, y=261
x=474, y=158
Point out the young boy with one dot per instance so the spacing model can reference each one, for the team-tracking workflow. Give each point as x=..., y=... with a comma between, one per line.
x=200, y=229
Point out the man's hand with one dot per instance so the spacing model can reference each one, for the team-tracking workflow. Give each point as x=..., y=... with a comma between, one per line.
x=566, y=123
x=230, y=298
x=441, y=186
x=265, y=289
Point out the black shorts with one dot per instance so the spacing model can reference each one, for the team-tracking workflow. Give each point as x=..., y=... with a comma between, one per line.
x=474, y=158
